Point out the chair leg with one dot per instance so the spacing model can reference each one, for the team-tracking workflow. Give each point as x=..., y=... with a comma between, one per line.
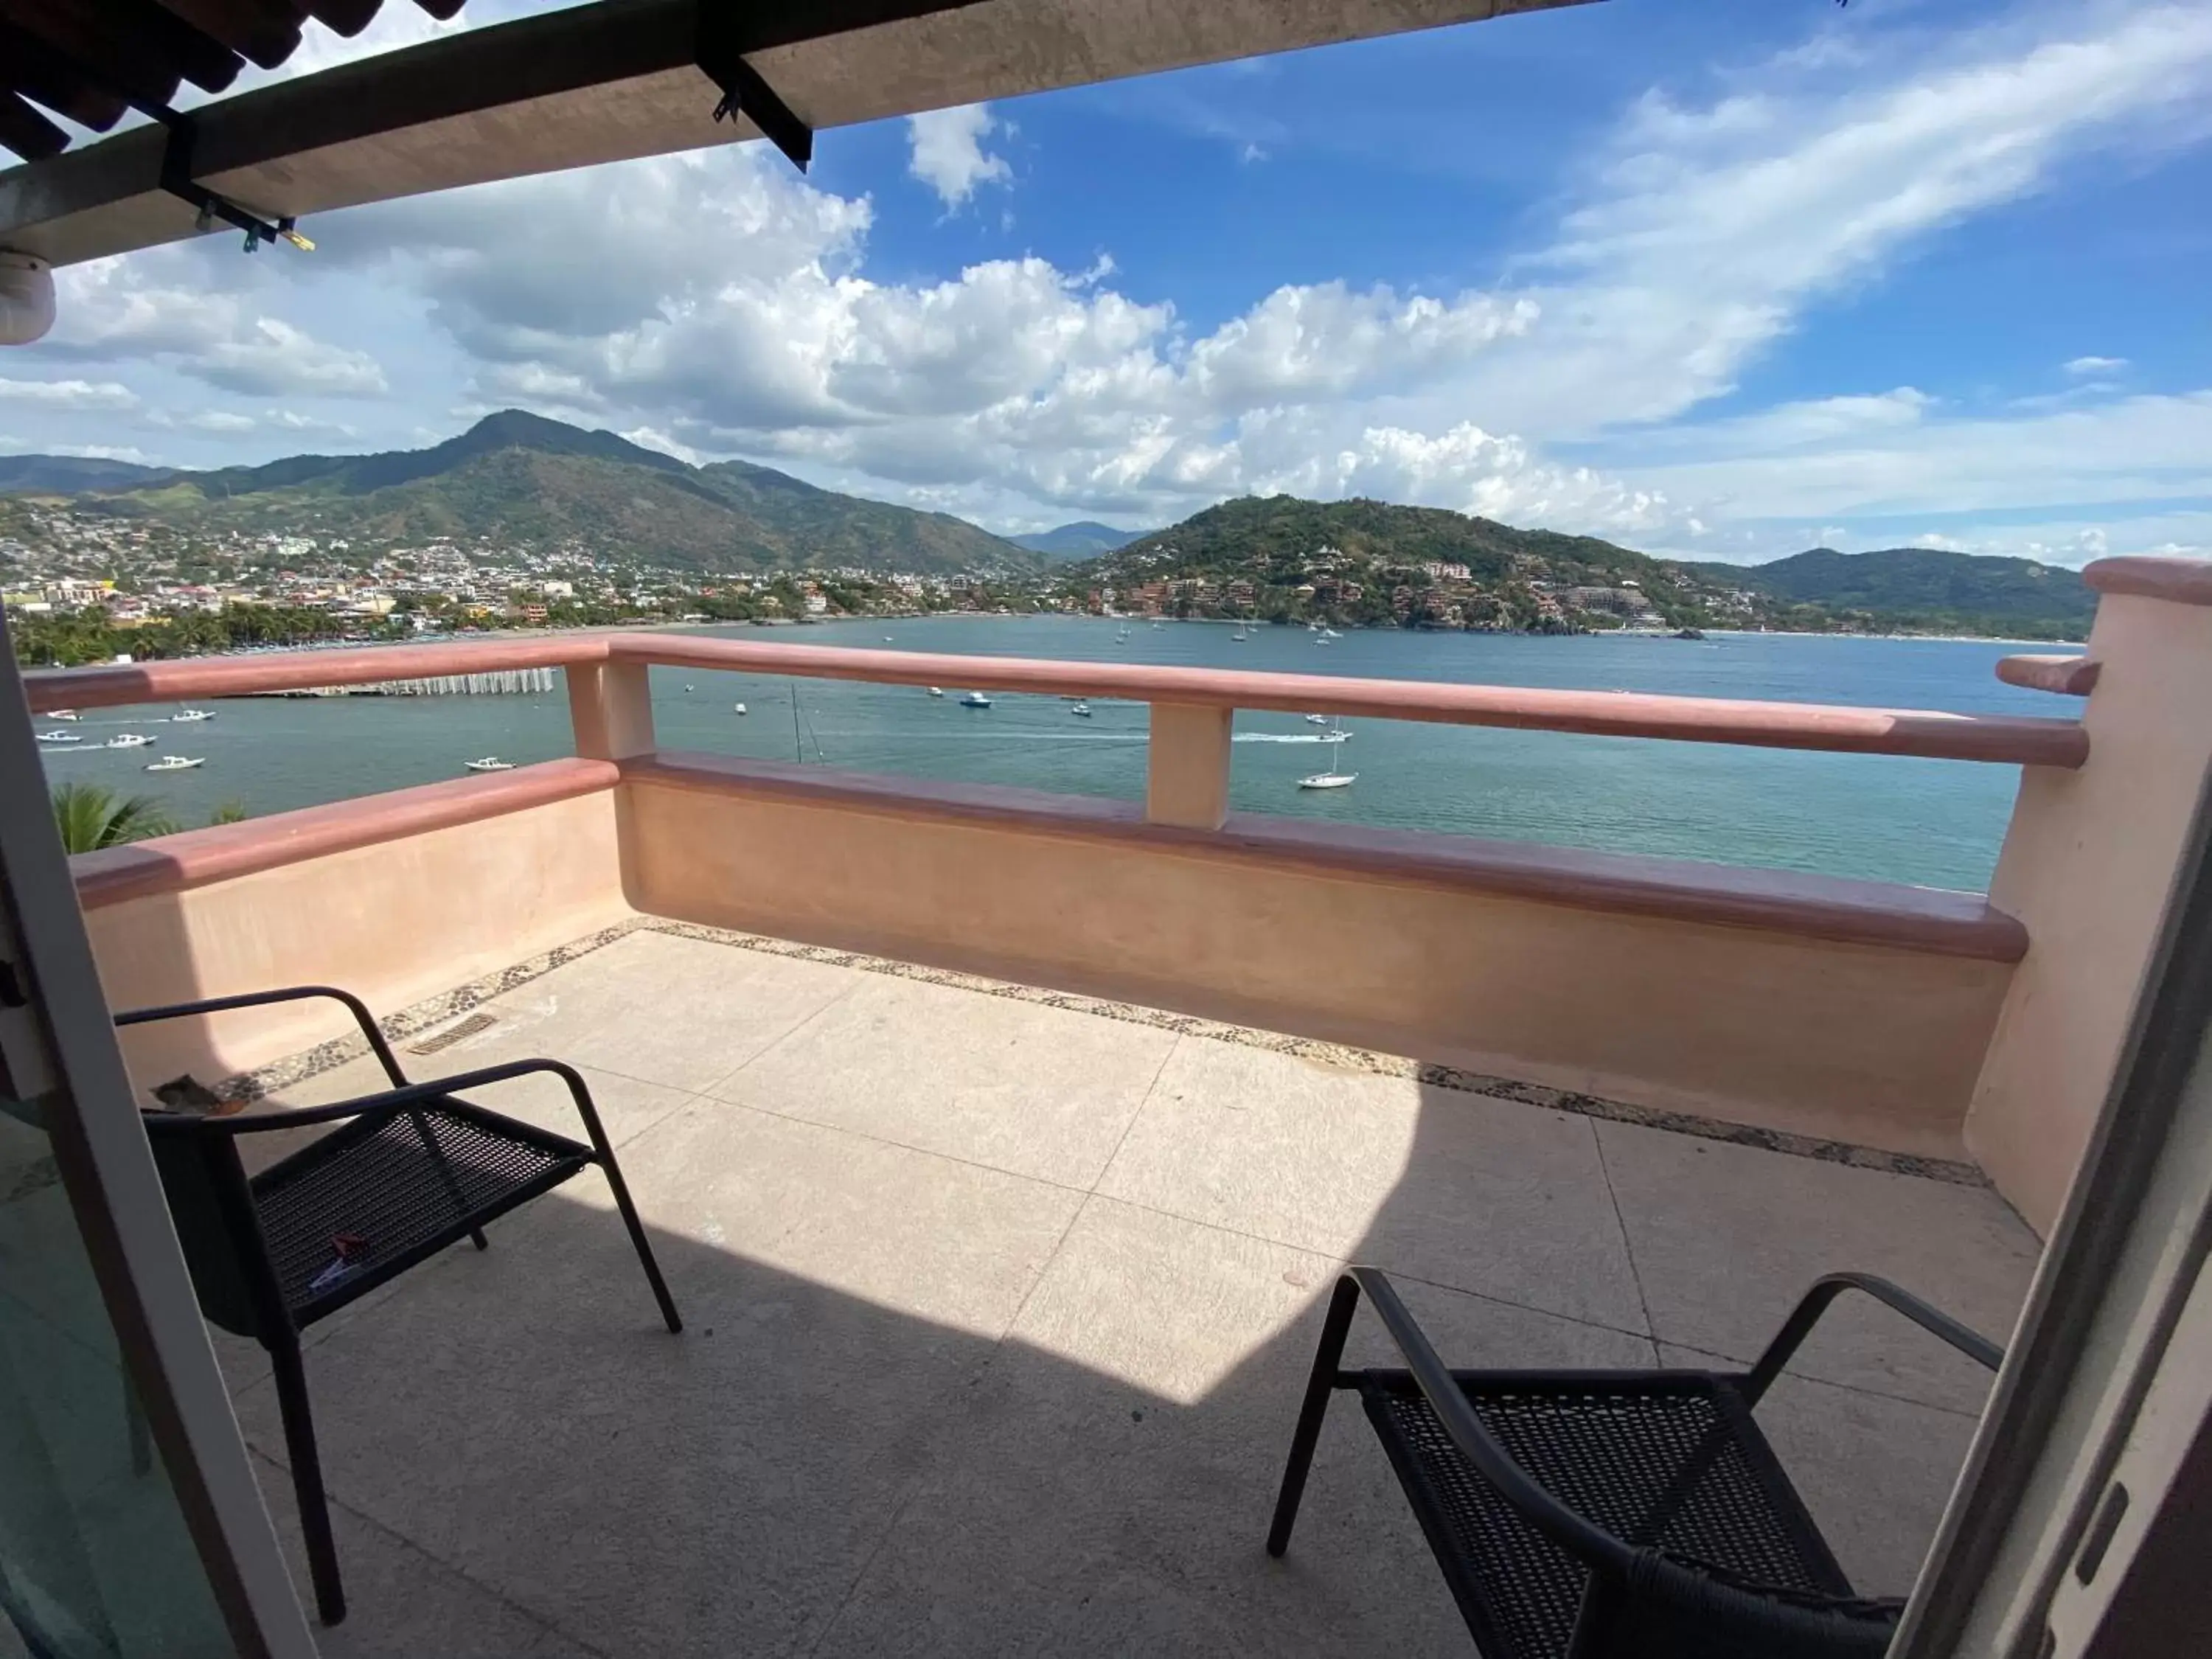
x=621, y=1189
x=307, y=1482
x=1320, y=1384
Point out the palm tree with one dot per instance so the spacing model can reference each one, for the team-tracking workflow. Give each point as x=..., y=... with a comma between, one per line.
x=90, y=817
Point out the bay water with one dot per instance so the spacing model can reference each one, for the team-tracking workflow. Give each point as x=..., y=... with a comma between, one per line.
x=1933, y=823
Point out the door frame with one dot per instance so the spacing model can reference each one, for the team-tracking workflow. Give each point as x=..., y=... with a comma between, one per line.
x=57, y=1046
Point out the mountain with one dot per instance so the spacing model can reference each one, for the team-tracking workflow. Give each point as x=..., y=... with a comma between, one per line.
x=1086, y=539
x=1374, y=562
x=1925, y=589
x=517, y=478
x=1277, y=536
x=68, y=475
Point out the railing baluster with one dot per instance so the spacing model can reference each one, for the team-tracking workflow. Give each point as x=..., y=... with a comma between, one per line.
x=1187, y=778
x=611, y=707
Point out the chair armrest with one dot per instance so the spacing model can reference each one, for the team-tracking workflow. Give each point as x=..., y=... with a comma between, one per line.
x=1824, y=1291
x=377, y=1045
x=414, y=1094
x=1571, y=1531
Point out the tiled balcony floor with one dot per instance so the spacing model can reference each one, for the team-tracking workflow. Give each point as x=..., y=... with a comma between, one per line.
x=997, y=1316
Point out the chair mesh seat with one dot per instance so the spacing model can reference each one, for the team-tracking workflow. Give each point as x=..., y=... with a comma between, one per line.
x=377, y=1180
x=1668, y=1461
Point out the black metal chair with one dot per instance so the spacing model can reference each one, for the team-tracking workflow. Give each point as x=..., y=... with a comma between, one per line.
x=1601, y=1515
x=411, y=1171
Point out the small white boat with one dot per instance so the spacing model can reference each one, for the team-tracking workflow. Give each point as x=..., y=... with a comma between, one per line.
x=128, y=740
x=490, y=763
x=59, y=737
x=887, y=639
x=690, y=687
x=1331, y=780
x=1082, y=709
x=1316, y=719
x=936, y=690
x=1331, y=634
x=737, y=708
x=67, y=714
x=1240, y=633
x=176, y=763
x=1322, y=639
x=975, y=700
x=191, y=716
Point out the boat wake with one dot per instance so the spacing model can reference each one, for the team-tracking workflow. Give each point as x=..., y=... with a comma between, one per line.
x=1282, y=737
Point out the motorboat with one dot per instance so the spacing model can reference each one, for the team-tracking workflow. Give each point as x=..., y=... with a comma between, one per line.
x=66, y=714
x=737, y=709
x=59, y=737
x=975, y=700
x=1316, y=719
x=191, y=716
x=490, y=763
x=176, y=763
x=936, y=690
x=1082, y=709
x=128, y=740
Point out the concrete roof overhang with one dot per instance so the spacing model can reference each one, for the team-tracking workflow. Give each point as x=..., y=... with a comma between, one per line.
x=618, y=79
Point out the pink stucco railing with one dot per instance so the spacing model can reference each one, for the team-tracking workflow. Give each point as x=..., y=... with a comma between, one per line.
x=2013, y=739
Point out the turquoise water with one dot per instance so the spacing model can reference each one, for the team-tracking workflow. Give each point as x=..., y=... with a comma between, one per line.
x=1936, y=823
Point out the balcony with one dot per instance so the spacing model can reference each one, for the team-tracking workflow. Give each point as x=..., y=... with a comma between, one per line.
x=998, y=1303
x=1000, y=1146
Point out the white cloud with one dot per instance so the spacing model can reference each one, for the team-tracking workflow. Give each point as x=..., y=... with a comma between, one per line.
x=148, y=309
x=1704, y=234
x=270, y=357
x=948, y=154
x=69, y=394
x=2094, y=365
x=11, y=444
x=711, y=303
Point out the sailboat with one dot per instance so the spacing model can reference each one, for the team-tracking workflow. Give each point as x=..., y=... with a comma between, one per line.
x=1331, y=779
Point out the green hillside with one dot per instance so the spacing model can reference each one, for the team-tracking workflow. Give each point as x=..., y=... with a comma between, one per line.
x=1924, y=590
x=1086, y=539
x=517, y=478
x=1372, y=562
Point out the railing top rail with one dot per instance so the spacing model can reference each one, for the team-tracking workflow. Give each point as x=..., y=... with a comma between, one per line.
x=247, y=673
x=2011, y=739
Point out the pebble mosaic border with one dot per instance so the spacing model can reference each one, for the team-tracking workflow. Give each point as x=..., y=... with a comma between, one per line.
x=425, y=1016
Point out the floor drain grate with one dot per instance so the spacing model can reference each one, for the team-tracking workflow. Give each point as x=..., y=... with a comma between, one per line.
x=452, y=1034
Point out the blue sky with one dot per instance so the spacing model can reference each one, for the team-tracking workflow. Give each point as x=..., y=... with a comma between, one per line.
x=1717, y=278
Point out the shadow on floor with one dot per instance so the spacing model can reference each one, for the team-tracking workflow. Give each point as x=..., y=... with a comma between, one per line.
x=978, y=1413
